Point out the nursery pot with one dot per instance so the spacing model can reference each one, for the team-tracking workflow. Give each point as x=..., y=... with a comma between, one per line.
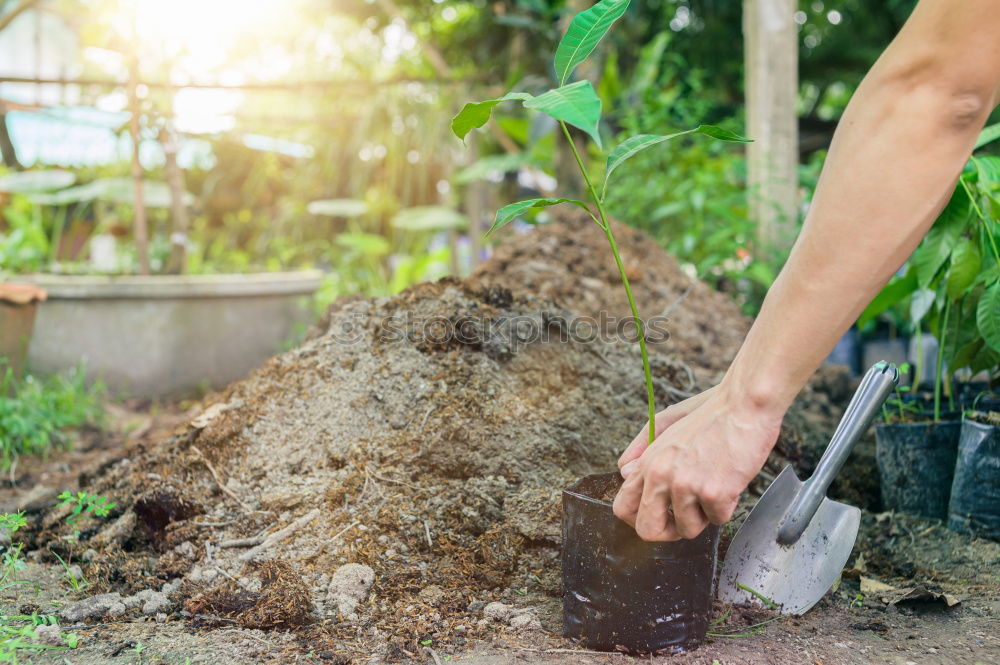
x=916, y=463
x=622, y=593
x=975, y=492
x=18, y=303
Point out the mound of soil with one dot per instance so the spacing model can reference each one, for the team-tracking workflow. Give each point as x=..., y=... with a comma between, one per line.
x=569, y=262
x=426, y=436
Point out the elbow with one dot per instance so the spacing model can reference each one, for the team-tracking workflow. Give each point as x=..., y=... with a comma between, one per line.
x=966, y=109
x=957, y=101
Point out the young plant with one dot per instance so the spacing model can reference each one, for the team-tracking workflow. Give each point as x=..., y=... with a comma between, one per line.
x=898, y=403
x=952, y=282
x=17, y=632
x=84, y=504
x=577, y=104
x=35, y=413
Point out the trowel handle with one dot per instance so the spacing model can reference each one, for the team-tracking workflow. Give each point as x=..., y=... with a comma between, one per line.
x=875, y=387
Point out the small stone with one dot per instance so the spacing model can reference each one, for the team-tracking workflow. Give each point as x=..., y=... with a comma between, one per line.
x=432, y=594
x=475, y=606
x=93, y=607
x=75, y=572
x=525, y=621
x=156, y=604
x=171, y=587
x=89, y=555
x=349, y=586
x=497, y=611
x=203, y=575
x=116, y=610
x=49, y=635
x=161, y=617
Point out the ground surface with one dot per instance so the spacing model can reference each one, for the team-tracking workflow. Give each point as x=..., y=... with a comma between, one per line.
x=427, y=436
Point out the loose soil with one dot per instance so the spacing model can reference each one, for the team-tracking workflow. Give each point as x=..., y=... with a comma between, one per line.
x=569, y=263
x=427, y=436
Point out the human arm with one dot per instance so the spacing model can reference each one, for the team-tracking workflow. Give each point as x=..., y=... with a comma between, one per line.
x=892, y=165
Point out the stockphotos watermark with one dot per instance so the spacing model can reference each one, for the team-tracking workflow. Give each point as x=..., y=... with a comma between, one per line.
x=516, y=330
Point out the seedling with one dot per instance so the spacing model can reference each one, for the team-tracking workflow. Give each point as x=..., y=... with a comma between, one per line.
x=85, y=504
x=77, y=583
x=17, y=631
x=577, y=104
x=897, y=403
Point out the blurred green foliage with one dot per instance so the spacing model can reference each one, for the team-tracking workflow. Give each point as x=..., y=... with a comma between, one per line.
x=35, y=413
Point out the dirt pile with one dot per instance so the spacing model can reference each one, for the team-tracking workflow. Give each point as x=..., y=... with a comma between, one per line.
x=569, y=262
x=426, y=436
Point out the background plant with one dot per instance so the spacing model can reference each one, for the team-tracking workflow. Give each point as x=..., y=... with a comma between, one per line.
x=36, y=414
x=950, y=286
x=578, y=105
x=17, y=631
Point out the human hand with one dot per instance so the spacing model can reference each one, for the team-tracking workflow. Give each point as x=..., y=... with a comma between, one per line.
x=708, y=449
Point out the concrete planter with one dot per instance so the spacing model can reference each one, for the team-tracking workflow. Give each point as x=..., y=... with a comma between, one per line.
x=167, y=336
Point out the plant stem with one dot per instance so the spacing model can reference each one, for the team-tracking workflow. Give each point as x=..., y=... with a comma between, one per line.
x=606, y=227
x=938, y=371
x=983, y=218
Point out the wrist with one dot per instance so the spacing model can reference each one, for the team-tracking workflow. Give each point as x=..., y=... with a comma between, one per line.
x=758, y=394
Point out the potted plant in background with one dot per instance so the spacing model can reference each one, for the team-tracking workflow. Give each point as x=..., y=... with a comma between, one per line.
x=607, y=569
x=159, y=335
x=952, y=286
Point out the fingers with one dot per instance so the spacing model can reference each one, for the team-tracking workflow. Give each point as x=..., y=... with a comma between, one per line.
x=662, y=421
x=689, y=519
x=653, y=521
x=627, y=500
x=718, y=505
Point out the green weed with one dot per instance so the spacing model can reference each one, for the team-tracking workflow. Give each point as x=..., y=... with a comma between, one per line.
x=35, y=413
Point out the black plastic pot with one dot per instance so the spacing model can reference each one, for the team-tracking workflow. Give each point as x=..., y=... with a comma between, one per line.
x=975, y=492
x=916, y=463
x=622, y=593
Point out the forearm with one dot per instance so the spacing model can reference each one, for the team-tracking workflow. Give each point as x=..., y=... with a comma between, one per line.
x=891, y=168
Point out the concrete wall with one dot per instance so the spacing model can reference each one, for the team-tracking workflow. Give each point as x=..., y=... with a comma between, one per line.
x=167, y=336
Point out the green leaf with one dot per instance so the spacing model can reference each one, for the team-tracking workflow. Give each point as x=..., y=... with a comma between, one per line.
x=937, y=247
x=988, y=135
x=965, y=356
x=509, y=212
x=635, y=144
x=896, y=290
x=920, y=304
x=965, y=263
x=986, y=359
x=475, y=114
x=585, y=31
x=428, y=218
x=988, y=316
x=988, y=171
x=576, y=104
x=28, y=182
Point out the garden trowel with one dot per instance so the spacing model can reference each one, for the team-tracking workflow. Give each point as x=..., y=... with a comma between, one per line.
x=794, y=543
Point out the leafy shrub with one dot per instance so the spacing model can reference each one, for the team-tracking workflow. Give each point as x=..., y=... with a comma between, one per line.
x=35, y=413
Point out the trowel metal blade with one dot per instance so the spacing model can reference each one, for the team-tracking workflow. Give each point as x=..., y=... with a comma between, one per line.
x=795, y=576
